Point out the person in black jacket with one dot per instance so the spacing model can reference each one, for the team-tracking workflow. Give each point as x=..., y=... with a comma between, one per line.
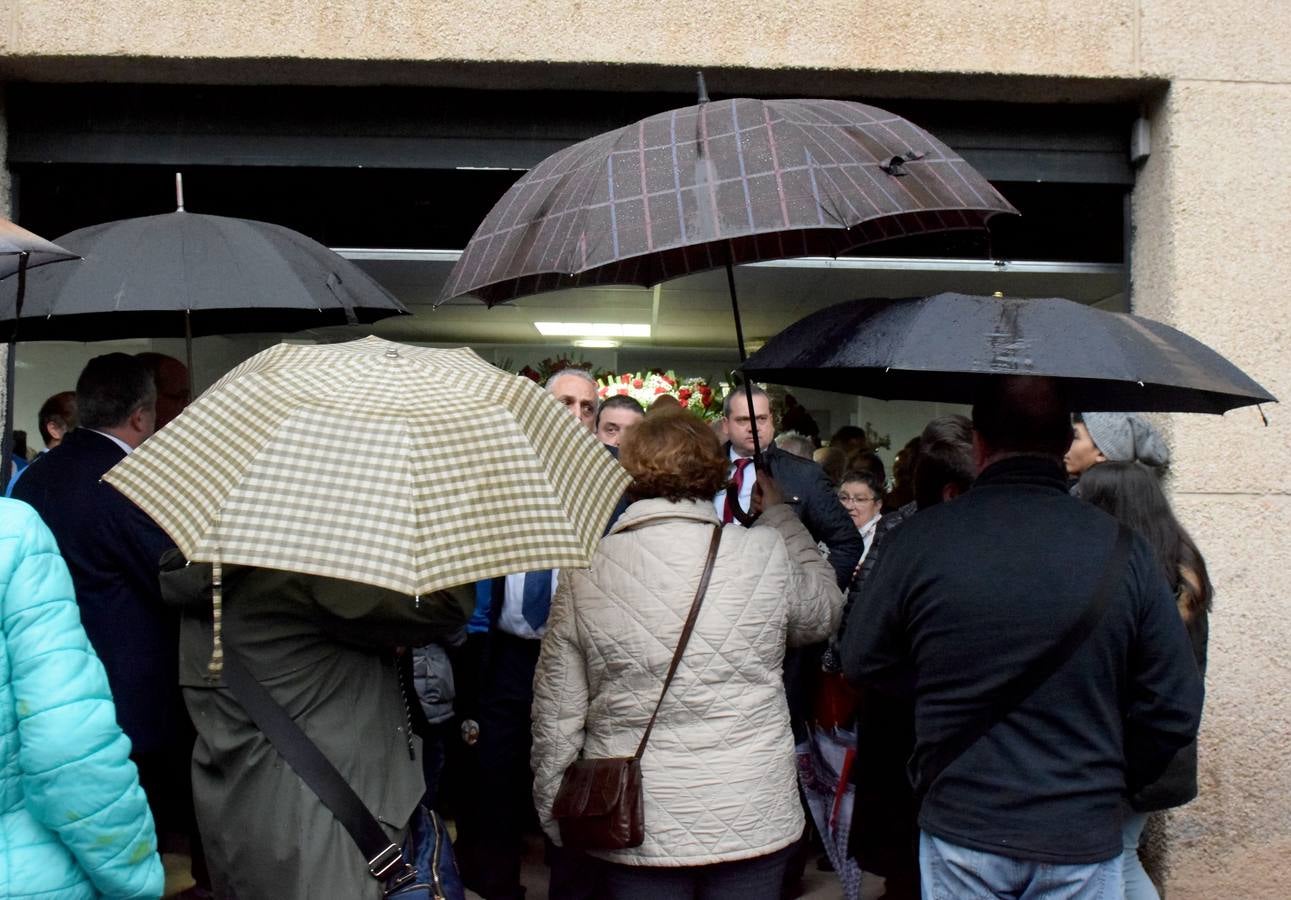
x=885, y=836
x=814, y=499
x=966, y=596
x=1131, y=492
x=806, y=487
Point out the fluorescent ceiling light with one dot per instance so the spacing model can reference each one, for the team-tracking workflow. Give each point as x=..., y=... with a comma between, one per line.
x=593, y=329
x=602, y=343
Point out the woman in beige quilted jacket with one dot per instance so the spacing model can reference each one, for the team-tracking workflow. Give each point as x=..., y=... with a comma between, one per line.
x=721, y=795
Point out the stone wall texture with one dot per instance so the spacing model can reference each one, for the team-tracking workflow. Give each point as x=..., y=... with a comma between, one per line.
x=1211, y=216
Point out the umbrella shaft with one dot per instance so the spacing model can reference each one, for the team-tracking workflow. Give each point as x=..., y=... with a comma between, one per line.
x=739, y=338
x=6, y=440
x=735, y=308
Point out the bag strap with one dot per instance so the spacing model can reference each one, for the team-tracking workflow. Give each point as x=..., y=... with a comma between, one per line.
x=685, y=634
x=385, y=859
x=1010, y=695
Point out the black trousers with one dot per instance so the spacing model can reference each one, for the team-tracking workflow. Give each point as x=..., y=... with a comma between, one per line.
x=166, y=779
x=491, y=831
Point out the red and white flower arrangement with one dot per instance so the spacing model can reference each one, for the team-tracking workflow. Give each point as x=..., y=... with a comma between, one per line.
x=693, y=394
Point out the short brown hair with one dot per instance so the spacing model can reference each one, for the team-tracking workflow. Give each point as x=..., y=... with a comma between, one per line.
x=1025, y=414
x=674, y=456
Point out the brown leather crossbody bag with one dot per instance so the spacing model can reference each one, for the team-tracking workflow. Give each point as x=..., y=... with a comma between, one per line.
x=600, y=805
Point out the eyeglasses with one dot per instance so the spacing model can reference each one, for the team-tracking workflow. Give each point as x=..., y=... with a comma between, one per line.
x=848, y=498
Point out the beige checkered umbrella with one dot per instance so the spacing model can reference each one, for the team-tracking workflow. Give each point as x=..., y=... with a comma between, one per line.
x=404, y=467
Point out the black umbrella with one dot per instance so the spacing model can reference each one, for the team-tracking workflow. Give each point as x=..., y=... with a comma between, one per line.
x=20, y=251
x=189, y=274
x=942, y=348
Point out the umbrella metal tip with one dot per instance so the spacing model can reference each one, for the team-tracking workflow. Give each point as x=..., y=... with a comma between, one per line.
x=392, y=353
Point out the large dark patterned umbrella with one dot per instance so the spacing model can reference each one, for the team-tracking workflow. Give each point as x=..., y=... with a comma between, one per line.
x=943, y=347
x=720, y=183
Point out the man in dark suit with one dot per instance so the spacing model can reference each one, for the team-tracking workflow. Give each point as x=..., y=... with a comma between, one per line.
x=491, y=834
x=112, y=549
x=803, y=482
x=809, y=491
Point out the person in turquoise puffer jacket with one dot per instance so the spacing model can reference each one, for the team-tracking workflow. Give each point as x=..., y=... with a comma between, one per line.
x=73, y=821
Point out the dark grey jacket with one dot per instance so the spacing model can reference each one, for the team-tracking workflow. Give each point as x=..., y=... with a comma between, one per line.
x=1178, y=783
x=966, y=595
x=432, y=677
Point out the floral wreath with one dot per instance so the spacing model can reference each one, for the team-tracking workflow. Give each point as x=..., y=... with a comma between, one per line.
x=693, y=394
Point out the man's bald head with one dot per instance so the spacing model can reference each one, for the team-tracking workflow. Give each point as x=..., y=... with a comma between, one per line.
x=577, y=390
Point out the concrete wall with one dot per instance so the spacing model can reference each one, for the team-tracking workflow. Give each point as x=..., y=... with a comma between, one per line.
x=1212, y=210
x=1208, y=257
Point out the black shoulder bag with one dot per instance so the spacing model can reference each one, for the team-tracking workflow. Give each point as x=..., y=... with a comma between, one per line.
x=1011, y=694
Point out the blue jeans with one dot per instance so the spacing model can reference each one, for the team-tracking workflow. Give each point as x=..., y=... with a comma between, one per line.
x=1138, y=886
x=952, y=872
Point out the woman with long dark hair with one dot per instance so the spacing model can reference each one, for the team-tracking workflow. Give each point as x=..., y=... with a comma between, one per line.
x=1132, y=494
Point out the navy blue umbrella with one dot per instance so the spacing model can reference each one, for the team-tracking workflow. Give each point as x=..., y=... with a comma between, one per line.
x=943, y=347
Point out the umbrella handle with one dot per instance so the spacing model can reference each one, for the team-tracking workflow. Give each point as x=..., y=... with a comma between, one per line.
x=737, y=512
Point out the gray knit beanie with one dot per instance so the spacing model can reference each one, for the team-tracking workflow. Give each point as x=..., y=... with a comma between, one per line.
x=1125, y=437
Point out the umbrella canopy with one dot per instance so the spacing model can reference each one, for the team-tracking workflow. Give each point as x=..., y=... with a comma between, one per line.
x=20, y=250
x=942, y=347
x=404, y=467
x=15, y=241
x=720, y=183
x=185, y=273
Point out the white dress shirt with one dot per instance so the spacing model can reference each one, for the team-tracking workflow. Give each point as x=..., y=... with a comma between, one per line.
x=511, y=619
x=114, y=439
x=867, y=536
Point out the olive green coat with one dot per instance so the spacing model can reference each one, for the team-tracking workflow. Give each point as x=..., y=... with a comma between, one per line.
x=324, y=649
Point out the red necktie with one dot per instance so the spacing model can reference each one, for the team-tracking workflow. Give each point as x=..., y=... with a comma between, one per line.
x=728, y=515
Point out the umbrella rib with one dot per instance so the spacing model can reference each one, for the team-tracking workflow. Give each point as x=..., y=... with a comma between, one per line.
x=703, y=155
x=614, y=217
x=676, y=176
x=775, y=167
x=645, y=194
x=739, y=156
